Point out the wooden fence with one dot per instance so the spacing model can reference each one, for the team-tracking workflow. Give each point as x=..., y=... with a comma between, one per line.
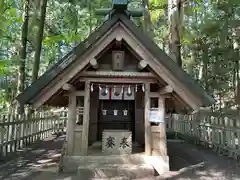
x=219, y=132
x=18, y=131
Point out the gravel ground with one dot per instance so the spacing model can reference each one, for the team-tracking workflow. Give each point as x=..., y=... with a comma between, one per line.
x=186, y=161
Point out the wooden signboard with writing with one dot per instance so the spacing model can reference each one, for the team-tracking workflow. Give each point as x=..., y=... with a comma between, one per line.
x=156, y=115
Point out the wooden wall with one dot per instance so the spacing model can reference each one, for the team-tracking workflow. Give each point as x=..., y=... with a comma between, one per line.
x=93, y=124
x=139, y=117
x=130, y=61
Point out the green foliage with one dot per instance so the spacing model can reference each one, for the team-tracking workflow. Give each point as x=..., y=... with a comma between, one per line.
x=209, y=38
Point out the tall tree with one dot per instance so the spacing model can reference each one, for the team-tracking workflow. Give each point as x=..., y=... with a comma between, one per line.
x=175, y=18
x=147, y=23
x=37, y=55
x=23, y=49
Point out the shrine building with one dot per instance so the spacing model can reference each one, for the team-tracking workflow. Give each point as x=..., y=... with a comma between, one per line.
x=124, y=84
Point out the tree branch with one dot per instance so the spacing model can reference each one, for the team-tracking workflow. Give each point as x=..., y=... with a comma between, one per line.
x=8, y=7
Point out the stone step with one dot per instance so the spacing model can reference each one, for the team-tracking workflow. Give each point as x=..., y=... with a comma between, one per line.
x=148, y=178
x=72, y=162
x=126, y=178
x=115, y=170
x=112, y=178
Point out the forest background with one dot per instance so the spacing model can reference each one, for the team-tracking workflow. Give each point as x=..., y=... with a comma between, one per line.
x=202, y=36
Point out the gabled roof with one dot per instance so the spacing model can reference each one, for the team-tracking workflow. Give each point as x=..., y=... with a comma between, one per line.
x=161, y=56
x=31, y=91
x=164, y=59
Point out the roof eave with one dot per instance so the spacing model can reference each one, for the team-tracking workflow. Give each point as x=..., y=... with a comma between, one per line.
x=198, y=91
x=44, y=80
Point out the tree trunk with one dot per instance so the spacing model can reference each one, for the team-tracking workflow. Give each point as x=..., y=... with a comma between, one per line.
x=23, y=50
x=237, y=66
x=205, y=67
x=37, y=55
x=147, y=23
x=90, y=17
x=175, y=18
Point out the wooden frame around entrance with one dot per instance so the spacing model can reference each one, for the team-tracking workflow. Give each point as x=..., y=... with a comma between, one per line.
x=85, y=127
x=131, y=122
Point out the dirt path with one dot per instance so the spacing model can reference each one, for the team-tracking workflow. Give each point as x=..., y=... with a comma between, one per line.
x=47, y=154
x=187, y=162
x=191, y=162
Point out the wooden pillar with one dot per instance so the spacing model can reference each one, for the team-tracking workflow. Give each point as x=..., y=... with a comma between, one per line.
x=159, y=158
x=86, y=118
x=162, y=127
x=71, y=123
x=147, y=123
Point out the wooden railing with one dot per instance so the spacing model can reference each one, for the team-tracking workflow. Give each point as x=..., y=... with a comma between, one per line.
x=219, y=132
x=18, y=131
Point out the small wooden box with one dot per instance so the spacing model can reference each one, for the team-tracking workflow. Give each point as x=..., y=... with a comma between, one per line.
x=117, y=141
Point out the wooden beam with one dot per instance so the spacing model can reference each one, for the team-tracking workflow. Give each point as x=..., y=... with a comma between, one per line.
x=118, y=80
x=54, y=97
x=71, y=123
x=162, y=128
x=179, y=103
x=86, y=119
x=117, y=74
x=159, y=146
x=118, y=38
x=68, y=87
x=118, y=41
x=94, y=63
x=76, y=93
x=148, y=141
x=157, y=94
x=142, y=64
x=165, y=90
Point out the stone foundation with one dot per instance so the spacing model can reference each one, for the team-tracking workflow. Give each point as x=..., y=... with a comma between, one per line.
x=110, y=163
x=71, y=163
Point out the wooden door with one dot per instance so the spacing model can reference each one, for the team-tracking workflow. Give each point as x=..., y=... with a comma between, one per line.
x=115, y=114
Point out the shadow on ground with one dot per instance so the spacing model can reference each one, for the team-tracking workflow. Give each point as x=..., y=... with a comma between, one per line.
x=195, y=162
x=186, y=162
x=45, y=155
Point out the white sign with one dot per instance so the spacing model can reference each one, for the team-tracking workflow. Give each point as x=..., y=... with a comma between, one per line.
x=129, y=93
x=156, y=115
x=104, y=112
x=104, y=93
x=115, y=112
x=125, y=112
x=117, y=93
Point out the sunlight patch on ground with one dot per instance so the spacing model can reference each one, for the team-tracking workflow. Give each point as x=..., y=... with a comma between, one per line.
x=159, y=164
x=44, y=161
x=210, y=173
x=67, y=178
x=201, y=164
x=38, y=151
x=56, y=155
